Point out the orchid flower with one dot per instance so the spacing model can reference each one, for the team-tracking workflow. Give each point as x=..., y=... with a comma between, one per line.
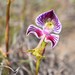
x=48, y=30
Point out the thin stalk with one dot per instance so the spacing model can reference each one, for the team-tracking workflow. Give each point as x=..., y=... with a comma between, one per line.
x=40, y=41
x=6, y=71
x=37, y=66
x=7, y=26
x=41, y=47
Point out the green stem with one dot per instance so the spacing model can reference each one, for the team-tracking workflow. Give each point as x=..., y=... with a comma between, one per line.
x=38, y=52
x=41, y=47
x=37, y=66
x=42, y=39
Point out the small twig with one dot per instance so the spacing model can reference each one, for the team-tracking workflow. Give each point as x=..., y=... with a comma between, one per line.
x=14, y=71
x=24, y=68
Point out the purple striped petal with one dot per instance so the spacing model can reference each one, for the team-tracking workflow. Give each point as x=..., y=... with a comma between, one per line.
x=53, y=39
x=44, y=17
x=34, y=30
x=57, y=24
x=49, y=16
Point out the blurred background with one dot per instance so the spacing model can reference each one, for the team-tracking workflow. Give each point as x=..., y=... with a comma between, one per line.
x=58, y=61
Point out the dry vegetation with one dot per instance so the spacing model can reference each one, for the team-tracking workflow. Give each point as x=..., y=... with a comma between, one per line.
x=60, y=60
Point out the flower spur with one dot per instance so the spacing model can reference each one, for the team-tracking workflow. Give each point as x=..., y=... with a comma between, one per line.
x=50, y=27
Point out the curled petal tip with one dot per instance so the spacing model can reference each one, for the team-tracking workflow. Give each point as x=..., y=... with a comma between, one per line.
x=53, y=39
x=34, y=30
